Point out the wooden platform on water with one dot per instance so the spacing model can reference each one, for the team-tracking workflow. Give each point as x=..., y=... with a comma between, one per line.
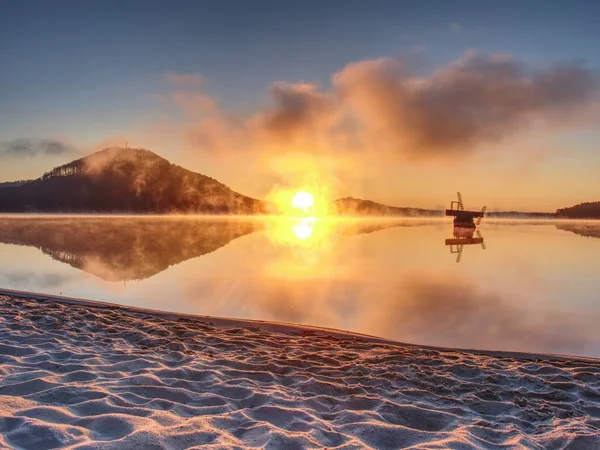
x=464, y=215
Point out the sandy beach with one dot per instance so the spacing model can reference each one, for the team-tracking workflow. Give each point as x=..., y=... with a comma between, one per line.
x=87, y=375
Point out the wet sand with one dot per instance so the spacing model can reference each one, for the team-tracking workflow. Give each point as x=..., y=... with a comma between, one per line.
x=82, y=374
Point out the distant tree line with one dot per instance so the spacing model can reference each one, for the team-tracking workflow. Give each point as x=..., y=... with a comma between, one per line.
x=588, y=210
x=519, y=215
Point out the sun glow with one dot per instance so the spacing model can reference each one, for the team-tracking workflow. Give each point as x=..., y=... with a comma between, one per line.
x=300, y=202
x=295, y=232
x=303, y=201
x=305, y=247
x=304, y=188
x=303, y=229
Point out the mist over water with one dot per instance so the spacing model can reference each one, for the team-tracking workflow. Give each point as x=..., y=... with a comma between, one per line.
x=527, y=286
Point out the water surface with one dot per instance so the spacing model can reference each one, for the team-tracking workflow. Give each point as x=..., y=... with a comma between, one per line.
x=519, y=285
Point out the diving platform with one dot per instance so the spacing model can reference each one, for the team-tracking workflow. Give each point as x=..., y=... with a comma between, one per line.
x=462, y=218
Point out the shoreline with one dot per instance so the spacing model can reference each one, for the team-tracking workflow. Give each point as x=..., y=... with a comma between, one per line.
x=290, y=328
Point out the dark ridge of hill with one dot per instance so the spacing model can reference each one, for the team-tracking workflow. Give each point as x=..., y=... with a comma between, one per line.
x=588, y=210
x=125, y=180
x=349, y=206
x=8, y=184
x=120, y=249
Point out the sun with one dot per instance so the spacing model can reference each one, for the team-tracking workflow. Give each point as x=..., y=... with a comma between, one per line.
x=300, y=201
x=303, y=201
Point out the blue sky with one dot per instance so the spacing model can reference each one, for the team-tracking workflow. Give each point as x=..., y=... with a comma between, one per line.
x=87, y=71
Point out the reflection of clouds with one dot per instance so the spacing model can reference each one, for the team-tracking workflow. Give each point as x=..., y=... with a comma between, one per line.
x=29, y=280
x=455, y=313
x=421, y=309
x=305, y=301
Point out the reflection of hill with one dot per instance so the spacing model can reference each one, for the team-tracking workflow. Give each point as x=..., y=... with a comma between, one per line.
x=582, y=229
x=354, y=227
x=135, y=248
x=118, y=249
x=350, y=206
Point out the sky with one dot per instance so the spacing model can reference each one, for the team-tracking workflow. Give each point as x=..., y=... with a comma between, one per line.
x=403, y=103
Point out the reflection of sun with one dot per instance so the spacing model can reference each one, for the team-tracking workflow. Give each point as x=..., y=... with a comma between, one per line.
x=303, y=201
x=303, y=230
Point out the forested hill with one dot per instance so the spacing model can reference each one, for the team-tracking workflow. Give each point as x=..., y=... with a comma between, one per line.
x=125, y=180
x=590, y=210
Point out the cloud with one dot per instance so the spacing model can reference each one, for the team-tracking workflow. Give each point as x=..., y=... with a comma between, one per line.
x=380, y=107
x=298, y=108
x=30, y=147
x=298, y=117
x=438, y=310
x=31, y=280
x=456, y=28
x=475, y=100
x=185, y=79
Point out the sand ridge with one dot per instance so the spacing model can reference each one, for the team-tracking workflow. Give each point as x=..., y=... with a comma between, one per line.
x=76, y=376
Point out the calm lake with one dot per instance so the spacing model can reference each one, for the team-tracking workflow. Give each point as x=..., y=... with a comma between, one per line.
x=518, y=285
